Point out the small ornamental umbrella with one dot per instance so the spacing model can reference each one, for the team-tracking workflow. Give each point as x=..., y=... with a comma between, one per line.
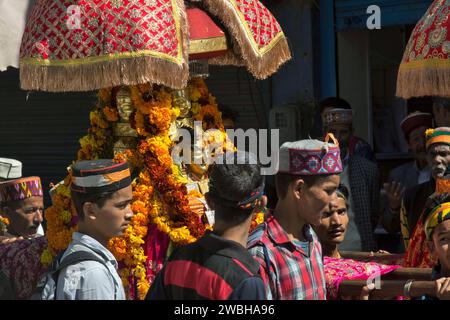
x=425, y=68
x=82, y=45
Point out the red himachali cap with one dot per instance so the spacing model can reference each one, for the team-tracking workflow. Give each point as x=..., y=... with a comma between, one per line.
x=20, y=189
x=311, y=157
x=416, y=120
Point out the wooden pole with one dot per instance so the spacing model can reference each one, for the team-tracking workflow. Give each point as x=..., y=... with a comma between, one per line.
x=387, y=288
x=423, y=274
x=385, y=258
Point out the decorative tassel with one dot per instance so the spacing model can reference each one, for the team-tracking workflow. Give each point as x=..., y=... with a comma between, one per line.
x=261, y=65
x=120, y=71
x=423, y=81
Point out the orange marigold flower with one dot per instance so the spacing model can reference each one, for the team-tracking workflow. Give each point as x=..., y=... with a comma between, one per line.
x=111, y=114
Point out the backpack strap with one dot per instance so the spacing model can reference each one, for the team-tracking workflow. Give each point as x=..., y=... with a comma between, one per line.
x=71, y=259
x=76, y=257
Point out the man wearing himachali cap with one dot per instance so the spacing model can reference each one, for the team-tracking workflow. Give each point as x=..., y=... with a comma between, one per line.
x=11, y=169
x=415, y=199
x=22, y=203
x=285, y=245
x=101, y=193
x=342, y=128
x=361, y=177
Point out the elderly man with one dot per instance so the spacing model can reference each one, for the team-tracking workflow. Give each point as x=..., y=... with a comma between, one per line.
x=409, y=174
x=360, y=176
x=414, y=201
x=11, y=169
x=22, y=203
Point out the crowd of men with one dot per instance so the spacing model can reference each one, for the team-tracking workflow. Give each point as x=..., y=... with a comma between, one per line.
x=328, y=200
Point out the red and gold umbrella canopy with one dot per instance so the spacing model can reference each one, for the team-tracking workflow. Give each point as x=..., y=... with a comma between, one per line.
x=425, y=68
x=81, y=45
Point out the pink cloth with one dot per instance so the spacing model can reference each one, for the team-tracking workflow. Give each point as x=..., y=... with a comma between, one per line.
x=155, y=248
x=20, y=261
x=338, y=270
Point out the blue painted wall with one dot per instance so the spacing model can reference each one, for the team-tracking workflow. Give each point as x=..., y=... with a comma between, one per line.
x=351, y=14
x=327, y=67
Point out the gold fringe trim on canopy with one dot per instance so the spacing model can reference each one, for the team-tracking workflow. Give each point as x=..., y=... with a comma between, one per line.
x=88, y=77
x=261, y=63
x=102, y=72
x=424, y=78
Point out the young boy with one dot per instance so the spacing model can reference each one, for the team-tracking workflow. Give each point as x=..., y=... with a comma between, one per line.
x=101, y=193
x=285, y=245
x=218, y=266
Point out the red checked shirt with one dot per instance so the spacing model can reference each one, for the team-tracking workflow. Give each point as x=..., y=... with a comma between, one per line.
x=291, y=270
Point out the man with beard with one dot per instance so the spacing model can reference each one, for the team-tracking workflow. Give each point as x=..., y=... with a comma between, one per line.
x=414, y=201
x=409, y=174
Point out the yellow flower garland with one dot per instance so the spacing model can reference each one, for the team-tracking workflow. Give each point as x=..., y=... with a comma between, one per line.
x=4, y=222
x=152, y=119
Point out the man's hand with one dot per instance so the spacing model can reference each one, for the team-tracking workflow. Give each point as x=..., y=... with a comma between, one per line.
x=394, y=193
x=5, y=240
x=366, y=290
x=372, y=254
x=364, y=295
x=443, y=289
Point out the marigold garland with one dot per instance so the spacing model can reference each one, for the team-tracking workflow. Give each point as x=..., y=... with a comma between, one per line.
x=4, y=222
x=159, y=192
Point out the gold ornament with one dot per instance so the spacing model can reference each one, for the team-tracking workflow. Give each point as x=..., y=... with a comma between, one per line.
x=122, y=129
x=124, y=103
x=182, y=101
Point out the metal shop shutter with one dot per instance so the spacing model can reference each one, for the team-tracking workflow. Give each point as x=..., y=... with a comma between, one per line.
x=43, y=130
x=237, y=89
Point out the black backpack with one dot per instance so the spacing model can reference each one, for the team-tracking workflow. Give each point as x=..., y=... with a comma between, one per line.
x=46, y=287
